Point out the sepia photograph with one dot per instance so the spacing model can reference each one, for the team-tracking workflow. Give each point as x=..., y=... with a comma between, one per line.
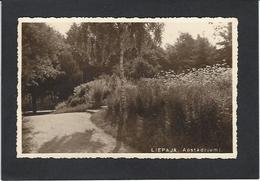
x=127, y=88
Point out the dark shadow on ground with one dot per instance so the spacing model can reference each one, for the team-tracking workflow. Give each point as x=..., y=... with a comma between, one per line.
x=42, y=112
x=75, y=143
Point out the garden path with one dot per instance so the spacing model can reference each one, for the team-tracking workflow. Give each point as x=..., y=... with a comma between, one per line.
x=66, y=133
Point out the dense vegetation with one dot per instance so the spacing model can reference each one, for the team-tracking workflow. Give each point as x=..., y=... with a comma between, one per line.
x=180, y=96
x=191, y=109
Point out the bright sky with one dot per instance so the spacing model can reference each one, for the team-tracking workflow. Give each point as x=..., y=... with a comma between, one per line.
x=171, y=32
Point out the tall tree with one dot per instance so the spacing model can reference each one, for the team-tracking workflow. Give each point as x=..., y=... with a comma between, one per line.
x=188, y=52
x=72, y=75
x=101, y=46
x=94, y=47
x=225, y=51
x=40, y=50
x=180, y=54
x=203, y=52
x=133, y=36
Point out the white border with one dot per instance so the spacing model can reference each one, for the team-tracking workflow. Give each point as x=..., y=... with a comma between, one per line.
x=131, y=155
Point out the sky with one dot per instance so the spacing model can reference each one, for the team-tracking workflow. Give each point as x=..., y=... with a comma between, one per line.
x=171, y=31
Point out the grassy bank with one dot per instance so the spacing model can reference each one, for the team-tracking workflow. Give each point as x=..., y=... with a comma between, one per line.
x=188, y=110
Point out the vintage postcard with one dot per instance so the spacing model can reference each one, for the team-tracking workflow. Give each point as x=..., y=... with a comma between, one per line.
x=163, y=88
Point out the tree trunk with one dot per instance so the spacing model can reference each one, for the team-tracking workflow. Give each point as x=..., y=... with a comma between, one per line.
x=122, y=115
x=34, y=103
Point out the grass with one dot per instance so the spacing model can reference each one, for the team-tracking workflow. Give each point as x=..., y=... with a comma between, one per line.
x=67, y=109
x=91, y=95
x=192, y=109
x=99, y=119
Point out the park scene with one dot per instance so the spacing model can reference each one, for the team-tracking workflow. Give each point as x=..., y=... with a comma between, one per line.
x=126, y=87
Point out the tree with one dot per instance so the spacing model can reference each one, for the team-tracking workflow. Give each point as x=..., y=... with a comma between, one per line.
x=94, y=47
x=140, y=68
x=40, y=50
x=183, y=49
x=103, y=46
x=72, y=75
x=225, y=51
x=203, y=52
x=171, y=56
x=133, y=36
x=184, y=46
x=188, y=52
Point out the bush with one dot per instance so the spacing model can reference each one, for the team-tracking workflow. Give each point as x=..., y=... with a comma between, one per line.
x=98, y=92
x=67, y=109
x=192, y=109
x=139, y=68
x=89, y=95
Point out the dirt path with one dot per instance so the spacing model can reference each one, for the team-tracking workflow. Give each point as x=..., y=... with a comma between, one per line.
x=66, y=133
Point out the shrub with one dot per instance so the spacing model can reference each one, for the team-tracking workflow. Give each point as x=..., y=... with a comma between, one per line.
x=98, y=91
x=139, y=68
x=67, y=109
x=60, y=105
x=89, y=95
x=184, y=110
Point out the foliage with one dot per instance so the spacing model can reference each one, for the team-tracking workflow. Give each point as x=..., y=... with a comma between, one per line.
x=190, y=53
x=96, y=46
x=47, y=64
x=54, y=65
x=40, y=47
x=66, y=82
x=178, y=97
x=40, y=66
x=89, y=95
x=183, y=110
x=225, y=51
x=64, y=108
x=139, y=67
